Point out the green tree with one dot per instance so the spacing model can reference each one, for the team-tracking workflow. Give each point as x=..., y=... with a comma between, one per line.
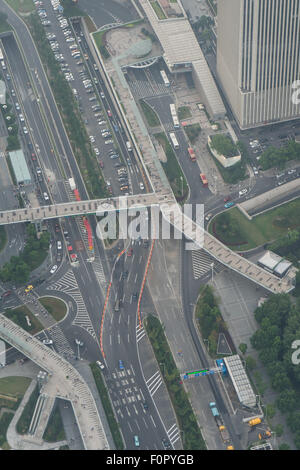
x=284, y=446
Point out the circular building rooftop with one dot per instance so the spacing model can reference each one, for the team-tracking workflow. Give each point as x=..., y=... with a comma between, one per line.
x=141, y=48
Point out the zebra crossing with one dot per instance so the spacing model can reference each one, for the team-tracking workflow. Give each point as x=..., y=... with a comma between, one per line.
x=202, y=264
x=99, y=271
x=61, y=343
x=140, y=333
x=154, y=382
x=68, y=285
x=173, y=434
x=142, y=89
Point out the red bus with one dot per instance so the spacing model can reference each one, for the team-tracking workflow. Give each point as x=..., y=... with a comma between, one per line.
x=192, y=154
x=203, y=179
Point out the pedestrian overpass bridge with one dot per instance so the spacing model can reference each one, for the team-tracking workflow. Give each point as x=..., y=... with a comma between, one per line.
x=172, y=212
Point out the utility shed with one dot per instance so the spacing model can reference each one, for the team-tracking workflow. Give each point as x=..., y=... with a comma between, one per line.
x=2, y=92
x=20, y=167
x=240, y=380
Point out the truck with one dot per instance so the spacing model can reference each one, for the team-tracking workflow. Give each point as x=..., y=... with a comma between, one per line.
x=203, y=179
x=253, y=422
x=192, y=154
x=219, y=422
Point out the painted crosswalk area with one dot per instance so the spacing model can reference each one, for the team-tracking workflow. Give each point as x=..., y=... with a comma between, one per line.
x=154, y=382
x=202, y=264
x=61, y=343
x=68, y=285
x=173, y=434
x=142, y=89
x=99, y=271
x=140, y=333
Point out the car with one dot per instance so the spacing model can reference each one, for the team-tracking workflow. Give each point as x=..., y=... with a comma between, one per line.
x=129, y=252
x=92, y=138
x=243, y=191
x=25, y=130
x=96, y=150
x=128, y=162
x=227, y=198
x=124, y=275
x=142, y=187
x=106, y=134
x=102, y=94
x=21, y=117
x=101, y=164
x=109, y=141
x=136, y=441
x=59, y=245
x=101, y=123
x=46, y=197
x=99, y=364
x=290, y=172
x=47, y=341
x=208, y=217
x=255, y=170
x=53, y=269
x=135, y=296
x=6, y=294
x=109, y=113
x=229, y=204
x=17, y=106
x=71, y=39
x=145, y=405
x=121, y=365
x=28, y=288
x=166, y=444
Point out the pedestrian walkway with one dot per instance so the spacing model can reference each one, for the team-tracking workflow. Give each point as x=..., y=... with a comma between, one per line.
x=64, y=382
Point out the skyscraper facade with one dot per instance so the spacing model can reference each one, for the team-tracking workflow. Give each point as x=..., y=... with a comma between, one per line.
x=258, y=59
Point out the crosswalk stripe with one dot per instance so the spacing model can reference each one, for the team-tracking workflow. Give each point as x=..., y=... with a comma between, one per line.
x=202, y=262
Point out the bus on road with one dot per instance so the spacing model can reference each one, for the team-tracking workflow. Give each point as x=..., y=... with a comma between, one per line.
x=174, y=116
x=174, y=140
x=165, y=78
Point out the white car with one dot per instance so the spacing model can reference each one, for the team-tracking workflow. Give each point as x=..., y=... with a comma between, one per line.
x=25, y=130
x=21, y=117
x=100, y=364
x=92, y=138
x=71, y=40
x=109, y=141
x=53, y=269
x=96, y=150
x=142, y=187
x=243, y=191
x=47, y=341
x=46, y=197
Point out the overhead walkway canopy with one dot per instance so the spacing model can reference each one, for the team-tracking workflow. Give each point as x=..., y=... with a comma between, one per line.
x=240, y=380
x=182, y=51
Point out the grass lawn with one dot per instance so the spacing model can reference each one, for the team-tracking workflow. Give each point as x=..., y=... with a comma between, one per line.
x=22, y=6
x=158, y=10
x=184, y=112
x=14, y=386
x=56, y=307
x=54, y=431
x=192, y=132
x=18, y=314
x=90, y=24
x=4, y=26
x=263, y=228
x=100, y=44
x=150, y=115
